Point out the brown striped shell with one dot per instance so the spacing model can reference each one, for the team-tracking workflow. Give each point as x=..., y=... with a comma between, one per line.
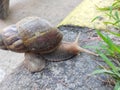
x=31, y=34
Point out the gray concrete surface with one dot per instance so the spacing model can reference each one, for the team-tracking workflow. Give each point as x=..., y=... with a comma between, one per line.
x=53, y=10
x=65, y=75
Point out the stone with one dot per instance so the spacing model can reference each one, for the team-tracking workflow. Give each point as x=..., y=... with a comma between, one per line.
x=65, y=75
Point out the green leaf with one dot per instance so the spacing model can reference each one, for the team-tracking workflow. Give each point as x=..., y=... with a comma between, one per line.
x=97, y=17
x=103, y=8
x=116, y=4
x=111, y=65
x=109, y=42
x=102, y=71
x=108, y=23
x=116, y=22
x=109, y=14
x=117, y=86
x=102, y=36
x=111, y=9
x=117, y=15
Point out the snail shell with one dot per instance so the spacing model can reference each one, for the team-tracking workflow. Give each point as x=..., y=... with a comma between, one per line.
x=31, y=34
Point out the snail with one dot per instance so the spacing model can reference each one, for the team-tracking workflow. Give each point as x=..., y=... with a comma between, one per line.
x=40, y=42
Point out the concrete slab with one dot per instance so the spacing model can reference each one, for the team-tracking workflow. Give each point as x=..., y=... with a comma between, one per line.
x=65, y=75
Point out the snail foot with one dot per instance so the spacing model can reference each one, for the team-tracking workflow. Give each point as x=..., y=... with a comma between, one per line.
x=34, y=62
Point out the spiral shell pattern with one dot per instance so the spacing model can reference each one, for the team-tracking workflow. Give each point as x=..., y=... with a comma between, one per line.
x=12, y=40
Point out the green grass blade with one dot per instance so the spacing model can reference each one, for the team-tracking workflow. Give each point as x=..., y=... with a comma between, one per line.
x=108, y=14
x=103, y=8
x=102, y=36
x=97, y=17
x=112, y=46
x=109, y=42
x=111, y=65
x=106, y=23
x=117, y=86
x=106, y=39
x=116, y=22
x=117, y=15
x=102, y=71
x=111, y=9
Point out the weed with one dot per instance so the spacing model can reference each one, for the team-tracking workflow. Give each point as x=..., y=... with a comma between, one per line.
x=110, y=51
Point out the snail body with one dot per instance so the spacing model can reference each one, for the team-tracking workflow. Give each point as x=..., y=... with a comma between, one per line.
x=40, y=42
